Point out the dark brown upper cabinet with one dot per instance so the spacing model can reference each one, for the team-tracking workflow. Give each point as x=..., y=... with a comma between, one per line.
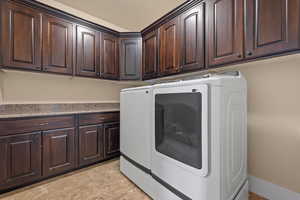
x=169, y=47
x=21, y=37
x=57, y=45
x=224, y=38
x=110, y=55
x=272, y=26
x=20, y=161
x=91, y=144
x=150, y=55
x=88, y=52
x=58, y=151
x=112, y=140
x=130, y=58
x=192, y=38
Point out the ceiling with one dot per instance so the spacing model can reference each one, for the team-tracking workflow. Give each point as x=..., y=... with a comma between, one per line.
x=133, y=15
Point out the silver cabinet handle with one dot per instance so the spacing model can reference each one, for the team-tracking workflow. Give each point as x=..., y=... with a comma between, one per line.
x=44, y=124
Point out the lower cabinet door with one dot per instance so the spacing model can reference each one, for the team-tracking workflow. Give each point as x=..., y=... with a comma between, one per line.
x=112, y=140
x=20, y=159
x=91, y=140
x=58, y=151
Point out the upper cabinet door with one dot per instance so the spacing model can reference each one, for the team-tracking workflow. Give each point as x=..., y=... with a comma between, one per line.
x=57, y=45
x=169, y=44
x=130, y=58
x=88, y=52
x=150, y=55
x=110, y=61
x=272, y=26
x=192, y=38
x=224, y=31
x=22, y=38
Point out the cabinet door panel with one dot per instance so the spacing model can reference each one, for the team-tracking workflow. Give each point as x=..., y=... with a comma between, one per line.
x=110, y=65
x=57, y=45
x=58, y=151
x=112, y=140
x=192, y=38
x=130, y=58
x=224, y=31
x=22, y=38
x=91, y=141
x=272, y=26
x=88, y=52
x=169, y=47
x=150, y=57
x=20, y=161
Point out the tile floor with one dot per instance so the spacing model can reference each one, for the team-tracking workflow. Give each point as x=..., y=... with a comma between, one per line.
x=99, y=182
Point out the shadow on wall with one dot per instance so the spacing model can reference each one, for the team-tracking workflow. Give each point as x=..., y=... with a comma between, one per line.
x=24, y=87
x=273, y=120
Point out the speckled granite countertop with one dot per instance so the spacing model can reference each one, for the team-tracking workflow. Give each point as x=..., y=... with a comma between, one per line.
x=33, y=110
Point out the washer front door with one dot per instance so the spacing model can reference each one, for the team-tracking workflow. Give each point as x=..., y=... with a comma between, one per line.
x=180, y=142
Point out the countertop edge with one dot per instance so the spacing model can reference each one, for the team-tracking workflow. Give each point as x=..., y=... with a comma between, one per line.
x=7, y=116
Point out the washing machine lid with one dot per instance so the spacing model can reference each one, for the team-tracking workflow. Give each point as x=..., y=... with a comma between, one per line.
x=137, y=88
x=209, y=79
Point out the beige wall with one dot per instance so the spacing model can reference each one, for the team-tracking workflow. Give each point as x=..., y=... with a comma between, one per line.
x=274, y=120
x=82, y=15
x=27, y=87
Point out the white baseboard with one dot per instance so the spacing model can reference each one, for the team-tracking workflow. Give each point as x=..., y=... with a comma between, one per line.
x=270, y=190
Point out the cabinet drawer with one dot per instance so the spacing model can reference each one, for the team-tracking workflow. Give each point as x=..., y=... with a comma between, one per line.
x=87, y=119
x=24, y=125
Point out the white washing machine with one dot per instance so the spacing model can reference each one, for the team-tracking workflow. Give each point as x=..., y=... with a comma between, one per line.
x=135, y=136
x=198, y=139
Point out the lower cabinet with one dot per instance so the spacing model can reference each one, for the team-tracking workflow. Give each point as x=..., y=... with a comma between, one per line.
x=112, y=140
x=20, y=161
x=32, y=149
x=58, y=151
x=91, y=140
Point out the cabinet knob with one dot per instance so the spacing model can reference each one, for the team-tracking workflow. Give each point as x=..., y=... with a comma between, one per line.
x=249, y=53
